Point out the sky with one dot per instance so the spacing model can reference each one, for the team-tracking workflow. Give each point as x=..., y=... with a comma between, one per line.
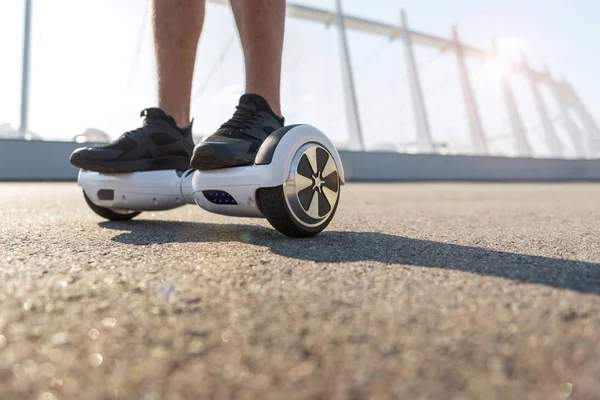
x=92, y=66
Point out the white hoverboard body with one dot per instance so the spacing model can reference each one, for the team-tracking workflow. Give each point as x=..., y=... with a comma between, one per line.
x=294, y=183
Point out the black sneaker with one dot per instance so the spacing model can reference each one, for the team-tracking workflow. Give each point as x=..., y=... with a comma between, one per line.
x=157, y=144
x=236, y=142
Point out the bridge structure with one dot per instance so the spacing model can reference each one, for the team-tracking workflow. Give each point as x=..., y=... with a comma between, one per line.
x=583, y=133
x=579, y=135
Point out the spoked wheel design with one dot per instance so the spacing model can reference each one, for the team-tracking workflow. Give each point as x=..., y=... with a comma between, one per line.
x=307, y=201
x=313, y=184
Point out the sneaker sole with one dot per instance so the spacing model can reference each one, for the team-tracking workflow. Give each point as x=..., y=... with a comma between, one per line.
x=121, y=166
x=207, y=157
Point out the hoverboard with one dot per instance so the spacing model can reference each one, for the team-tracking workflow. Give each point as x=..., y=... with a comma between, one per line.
x=294, y=183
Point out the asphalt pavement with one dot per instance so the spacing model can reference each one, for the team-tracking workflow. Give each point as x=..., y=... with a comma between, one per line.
x=415, y=291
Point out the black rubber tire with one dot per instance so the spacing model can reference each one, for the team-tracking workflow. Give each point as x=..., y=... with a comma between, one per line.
x=271, y=202
x=108, y=213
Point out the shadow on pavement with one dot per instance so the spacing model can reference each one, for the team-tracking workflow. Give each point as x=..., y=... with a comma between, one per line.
x=343, y=247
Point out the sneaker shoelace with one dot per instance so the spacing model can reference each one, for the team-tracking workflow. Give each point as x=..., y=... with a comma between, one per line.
x=242, y=120
x=149, y=120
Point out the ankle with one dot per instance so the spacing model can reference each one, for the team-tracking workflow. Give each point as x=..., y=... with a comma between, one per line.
x=182, y=122
x=272, y=101
x=181, y=117
x=276, y=109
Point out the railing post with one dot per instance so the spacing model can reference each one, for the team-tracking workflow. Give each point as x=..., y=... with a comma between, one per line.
x=552, y=140
x=352, y=114
x=24, y=125
x=568, y=123
x=588, y=121
x=424, y=140
x=522, y=147
x=475, y=127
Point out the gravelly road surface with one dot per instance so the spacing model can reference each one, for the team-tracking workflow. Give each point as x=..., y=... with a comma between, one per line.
x=416, y=291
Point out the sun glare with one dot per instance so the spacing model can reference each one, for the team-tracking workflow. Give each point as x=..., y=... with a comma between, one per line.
x=512, y=47
x=508, y=49
x=494, y=68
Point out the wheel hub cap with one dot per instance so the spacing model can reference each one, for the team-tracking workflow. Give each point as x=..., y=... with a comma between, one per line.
x=313, y=184
x=317, y=183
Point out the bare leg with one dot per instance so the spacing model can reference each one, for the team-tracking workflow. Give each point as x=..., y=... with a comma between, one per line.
x=176, y=25
x=260, y=24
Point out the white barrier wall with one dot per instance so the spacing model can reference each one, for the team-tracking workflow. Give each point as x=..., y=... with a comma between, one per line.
x=22, y=160
x=382, y=166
